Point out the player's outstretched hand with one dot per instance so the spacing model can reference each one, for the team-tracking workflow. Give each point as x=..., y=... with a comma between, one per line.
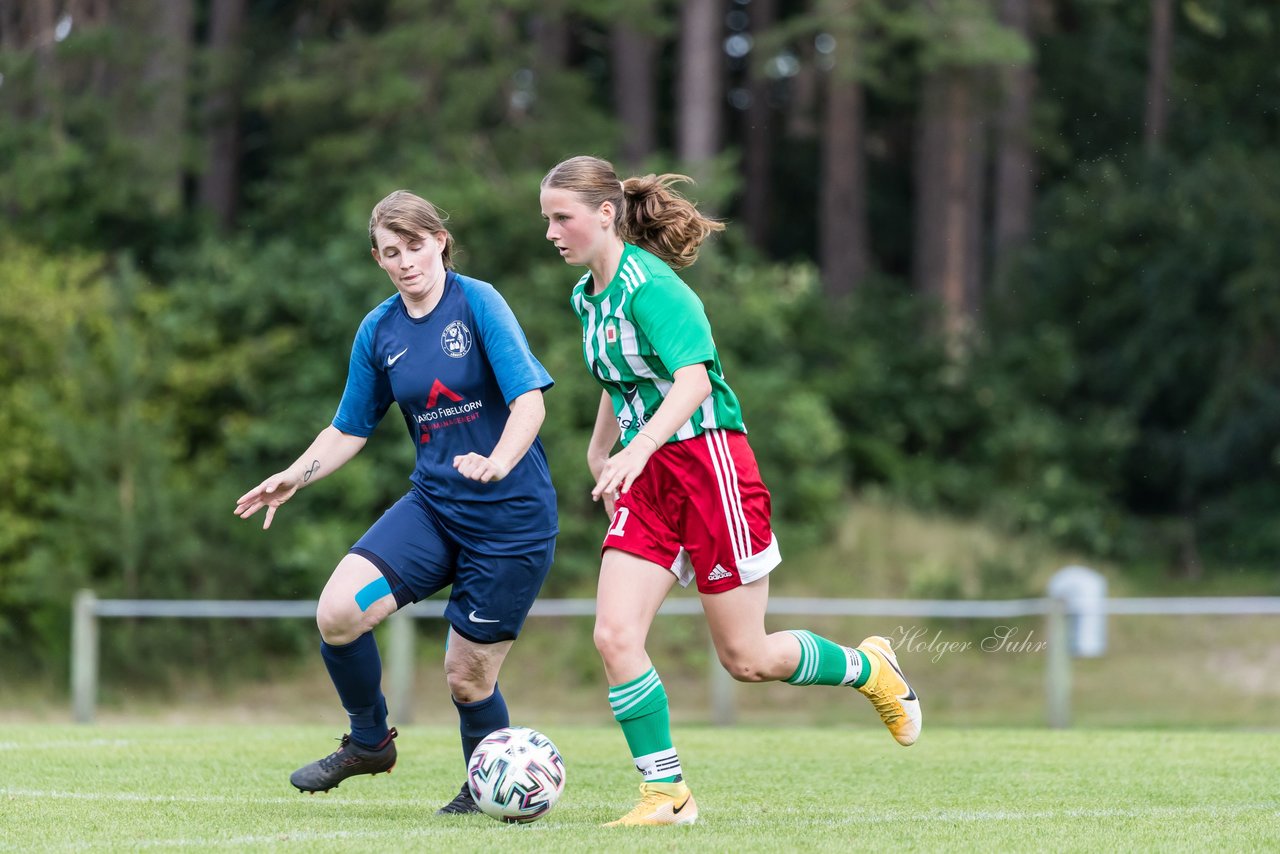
x=271, y=493
x=473, y=466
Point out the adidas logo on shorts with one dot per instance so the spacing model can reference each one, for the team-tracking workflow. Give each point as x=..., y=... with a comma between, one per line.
x=718, y=573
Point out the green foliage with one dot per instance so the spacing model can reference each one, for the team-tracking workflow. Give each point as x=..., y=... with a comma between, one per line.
x=39, y=300
x=1163, y=287
x=972, y=434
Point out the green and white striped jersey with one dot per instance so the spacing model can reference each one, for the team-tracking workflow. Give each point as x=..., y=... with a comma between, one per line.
x=638, y=331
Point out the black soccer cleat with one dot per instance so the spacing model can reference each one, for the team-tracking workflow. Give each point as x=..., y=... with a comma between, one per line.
x=348, y=760
x=462, y=804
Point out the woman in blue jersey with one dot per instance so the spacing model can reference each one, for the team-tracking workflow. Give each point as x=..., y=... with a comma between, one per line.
x=684, y=495
x=480, y=514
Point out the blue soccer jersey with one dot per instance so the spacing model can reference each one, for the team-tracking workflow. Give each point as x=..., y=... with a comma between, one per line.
x=454, y=374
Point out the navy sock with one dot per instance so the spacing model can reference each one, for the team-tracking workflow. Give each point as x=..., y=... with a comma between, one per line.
x=478, y=719
x=356, y=671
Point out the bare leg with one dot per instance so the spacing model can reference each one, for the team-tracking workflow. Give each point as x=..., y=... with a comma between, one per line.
x=630, y=591
x=471, y=668
x=746, y=650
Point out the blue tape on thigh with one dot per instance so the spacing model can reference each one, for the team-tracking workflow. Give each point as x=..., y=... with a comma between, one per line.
x=372, y=592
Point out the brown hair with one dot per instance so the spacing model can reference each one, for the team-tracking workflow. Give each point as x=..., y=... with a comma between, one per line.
x=649, y=213
x=410, y=216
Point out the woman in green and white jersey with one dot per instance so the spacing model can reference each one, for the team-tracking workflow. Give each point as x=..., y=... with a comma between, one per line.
x=684, y=494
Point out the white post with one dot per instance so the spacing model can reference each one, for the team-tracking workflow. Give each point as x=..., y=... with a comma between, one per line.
x=400, y=661
x=1057, y=665
x=84, y=656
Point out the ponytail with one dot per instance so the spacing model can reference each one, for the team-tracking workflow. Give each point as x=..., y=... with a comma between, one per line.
x=650, y=213
x=662, y=221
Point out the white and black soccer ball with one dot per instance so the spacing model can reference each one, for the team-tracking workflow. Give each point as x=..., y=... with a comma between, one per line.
x=516, y=774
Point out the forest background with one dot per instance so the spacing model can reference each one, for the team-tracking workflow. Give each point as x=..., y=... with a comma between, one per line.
x=1012, y=260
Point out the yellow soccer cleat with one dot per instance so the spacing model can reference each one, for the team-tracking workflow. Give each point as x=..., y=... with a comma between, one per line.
x=888, y=691
x=661, y=803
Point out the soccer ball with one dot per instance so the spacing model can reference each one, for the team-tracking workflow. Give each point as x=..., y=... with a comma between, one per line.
x=516, y=774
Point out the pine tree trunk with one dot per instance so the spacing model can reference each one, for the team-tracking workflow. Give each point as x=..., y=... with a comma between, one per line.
x=1158, y=68
x=1015, y=161
x=949, y=171
x=44, y=102
x=220, y=179
x=170, y=30
x=635, y=91
x=844, y=243
x=701, y=86
x=757, y=196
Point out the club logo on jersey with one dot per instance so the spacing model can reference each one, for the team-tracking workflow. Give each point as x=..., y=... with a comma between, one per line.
x=611, y=333
x=440, y=414
x=456, y=340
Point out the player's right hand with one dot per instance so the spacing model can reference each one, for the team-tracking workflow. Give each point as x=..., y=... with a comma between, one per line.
x=271, y=493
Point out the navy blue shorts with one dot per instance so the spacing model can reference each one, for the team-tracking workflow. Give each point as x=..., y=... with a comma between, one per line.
x=494, y=583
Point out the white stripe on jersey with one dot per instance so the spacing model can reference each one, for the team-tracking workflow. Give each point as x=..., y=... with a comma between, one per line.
x=709, y=413
x=637, y=272
x=629, y=343
x=730, y=498
x=628, y=281
x=634, y=407
x=596, y=348
x=686, y=430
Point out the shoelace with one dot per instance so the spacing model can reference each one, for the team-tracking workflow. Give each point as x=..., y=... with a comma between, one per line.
x=335, y=759
x=885, y=704
x=652, y=798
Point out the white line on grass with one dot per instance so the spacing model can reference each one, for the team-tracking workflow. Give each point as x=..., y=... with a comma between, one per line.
x=863, y=817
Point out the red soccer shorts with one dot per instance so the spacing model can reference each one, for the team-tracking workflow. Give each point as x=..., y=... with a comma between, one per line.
x=699, y=508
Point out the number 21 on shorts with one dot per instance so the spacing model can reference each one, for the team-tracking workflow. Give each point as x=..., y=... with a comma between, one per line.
x=619, y=522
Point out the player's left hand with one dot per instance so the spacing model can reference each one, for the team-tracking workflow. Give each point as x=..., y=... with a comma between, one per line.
x=473, y=466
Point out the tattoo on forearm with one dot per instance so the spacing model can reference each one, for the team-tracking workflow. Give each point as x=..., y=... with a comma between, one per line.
x=315, y=466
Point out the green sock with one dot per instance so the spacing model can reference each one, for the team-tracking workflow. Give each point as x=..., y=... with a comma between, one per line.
x=823, y=662
x=640, y=707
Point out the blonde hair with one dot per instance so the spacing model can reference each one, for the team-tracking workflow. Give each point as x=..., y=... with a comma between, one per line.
x=650, y=213
x=410, y=216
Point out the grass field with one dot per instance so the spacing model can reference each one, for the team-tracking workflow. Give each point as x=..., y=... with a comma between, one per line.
x=131, y=788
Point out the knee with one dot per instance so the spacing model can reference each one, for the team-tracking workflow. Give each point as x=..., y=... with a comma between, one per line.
x=466, y=684
x=341, y=623
x=742, y=665
x=465, y=688
x=614, y=641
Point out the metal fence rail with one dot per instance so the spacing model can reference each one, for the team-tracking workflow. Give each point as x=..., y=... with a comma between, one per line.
x=1056, y=612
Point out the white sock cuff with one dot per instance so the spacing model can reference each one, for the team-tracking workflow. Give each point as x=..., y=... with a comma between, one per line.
x=664, y=763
